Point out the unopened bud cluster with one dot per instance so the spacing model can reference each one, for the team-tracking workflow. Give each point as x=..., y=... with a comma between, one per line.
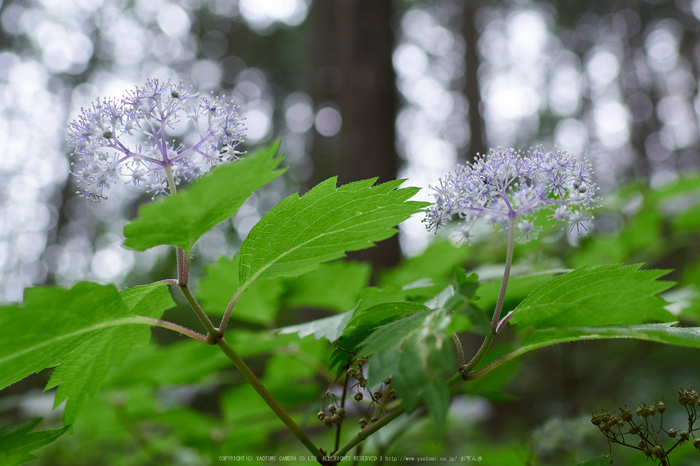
x=648, y=426
x=334, y=414
x=508, y=184
x=154, y=136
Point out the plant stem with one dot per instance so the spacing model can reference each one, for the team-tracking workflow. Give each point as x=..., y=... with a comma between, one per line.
x=213, y=331
x=368, y=431
x=179, y=253
x=269, y=399
x=460, y=349
x=176, y=328
x=506, y=272
x=227, y=313
x=479, y=354
x=342, y=404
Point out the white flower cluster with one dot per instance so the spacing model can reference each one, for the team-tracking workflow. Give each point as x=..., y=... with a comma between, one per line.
x=132, y=136
x=506, y=184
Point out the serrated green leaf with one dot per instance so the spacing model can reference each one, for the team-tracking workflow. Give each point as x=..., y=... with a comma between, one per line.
x=84, y=331
x=414, y=352
x=389, y=337
x=148, y=300
x=665, y=332
x=301, y=232
x=411, y=376
x=369, y=316
x=329, y=327
x=17, y=443
x=336, y=285
x=258, y=304
x=182, y=219
x=596, y=296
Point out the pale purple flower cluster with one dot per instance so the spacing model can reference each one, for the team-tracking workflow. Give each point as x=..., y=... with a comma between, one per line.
x=508, y=184
x=133, y=137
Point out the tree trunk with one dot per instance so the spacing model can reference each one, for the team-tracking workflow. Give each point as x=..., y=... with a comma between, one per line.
x=351, y=69
x=471, y=75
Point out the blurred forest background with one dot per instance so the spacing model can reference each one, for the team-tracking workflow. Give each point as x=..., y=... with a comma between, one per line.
x=365, y=88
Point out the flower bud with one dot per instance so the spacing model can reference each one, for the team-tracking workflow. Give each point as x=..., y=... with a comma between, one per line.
x=696, y=443
x=331, y=408
x=660, y=406
x=321, y=415
x=684, y=435
x=626, y=414
x=672, y=432
x=358, y=396
x=658, y=451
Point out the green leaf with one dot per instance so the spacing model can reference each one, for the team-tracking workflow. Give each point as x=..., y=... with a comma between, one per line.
x=435, y=264
x=258, y=304
x=184, y=362
x=518, y=289
x=336, y=285
x=376, y=308
x=182, y=219
x=596, y=296
x=148, y=300
x=83, y=330
x=301, y=232
x=604, y=460
x=189, y=361
x=329, y=327
x=665, y=332
x=17, y=443
x=416, y=354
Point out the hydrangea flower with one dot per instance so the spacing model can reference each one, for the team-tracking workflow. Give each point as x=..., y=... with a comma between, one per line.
x=133, y=137
x=507, y=187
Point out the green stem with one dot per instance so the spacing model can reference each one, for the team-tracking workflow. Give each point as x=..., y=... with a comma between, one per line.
x=269, y=399
x=479, y=354
x=368, y=431
x=227, y=313
x=342, y=404
x=182, y=273
x=213, y=331
x=460, y=349
x=176, y=328
x=506, y=272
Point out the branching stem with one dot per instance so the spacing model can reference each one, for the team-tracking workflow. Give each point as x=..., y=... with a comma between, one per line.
x=506, y=272
x=175, y=327
x=269, y=399
x=213, y=331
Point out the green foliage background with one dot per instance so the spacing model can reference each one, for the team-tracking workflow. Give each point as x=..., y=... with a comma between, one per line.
x=135, y=401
